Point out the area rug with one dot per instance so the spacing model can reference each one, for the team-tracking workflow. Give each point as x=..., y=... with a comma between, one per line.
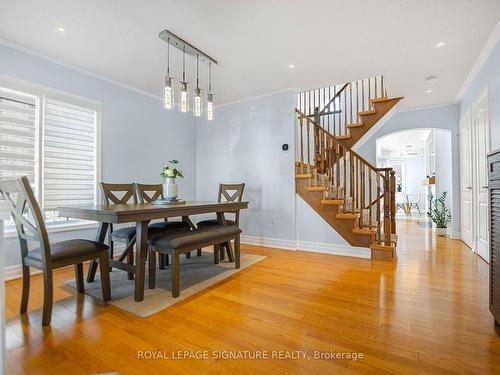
x=196, y=274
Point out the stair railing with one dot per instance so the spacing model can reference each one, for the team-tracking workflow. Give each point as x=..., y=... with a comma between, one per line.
x=366, y=192
x=337, y=107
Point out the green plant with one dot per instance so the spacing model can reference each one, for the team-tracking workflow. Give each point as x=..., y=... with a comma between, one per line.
x=438, y=212
x=170, y=170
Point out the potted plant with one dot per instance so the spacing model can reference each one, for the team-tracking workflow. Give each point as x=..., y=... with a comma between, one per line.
x=439, y=213
x=169, y=173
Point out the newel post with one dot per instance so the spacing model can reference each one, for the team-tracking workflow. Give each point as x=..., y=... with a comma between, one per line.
x=317, y=142
x=387, y=209
x=393, y=202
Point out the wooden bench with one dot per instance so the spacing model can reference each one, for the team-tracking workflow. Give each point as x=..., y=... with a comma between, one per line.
x=181, y=243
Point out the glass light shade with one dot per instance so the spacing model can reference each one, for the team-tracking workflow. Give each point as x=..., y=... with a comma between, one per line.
x=210, y=107
x=184, y=98
x=197, y=105
x=168, y=95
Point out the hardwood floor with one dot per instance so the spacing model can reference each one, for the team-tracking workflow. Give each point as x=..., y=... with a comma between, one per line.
x=426, y=313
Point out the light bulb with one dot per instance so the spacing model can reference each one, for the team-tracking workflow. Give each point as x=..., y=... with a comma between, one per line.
x=197, y=106
x=168, y=97
x=184, y=98
x=210, y=107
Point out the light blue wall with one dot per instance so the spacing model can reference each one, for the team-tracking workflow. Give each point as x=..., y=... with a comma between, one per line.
x=445, y=118
x=488, y=77
x=138, y=135
x=243, y=144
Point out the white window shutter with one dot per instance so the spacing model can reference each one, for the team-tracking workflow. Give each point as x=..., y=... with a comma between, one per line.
x=69, y=154
x=18, y=127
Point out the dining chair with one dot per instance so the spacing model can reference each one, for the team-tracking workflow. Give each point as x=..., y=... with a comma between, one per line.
x=146, y=193
x=111, y=194
x=48, y=256
x=415, y=203
x=228, y=193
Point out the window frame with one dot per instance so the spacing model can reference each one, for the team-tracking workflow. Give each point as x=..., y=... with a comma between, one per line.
x=43, y=92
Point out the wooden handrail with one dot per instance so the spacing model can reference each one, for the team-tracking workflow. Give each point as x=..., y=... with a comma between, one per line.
x=336, y=141
x=333, y=99
x=347, y=176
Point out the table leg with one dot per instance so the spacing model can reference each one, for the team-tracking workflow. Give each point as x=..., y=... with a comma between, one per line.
x=141, y=239
x=100, y=237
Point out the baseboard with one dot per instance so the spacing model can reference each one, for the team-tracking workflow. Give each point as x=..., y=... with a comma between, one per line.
x=315, y=247
x=16, y=271
x=335, y=249
x=455, y=235
x=269, y=242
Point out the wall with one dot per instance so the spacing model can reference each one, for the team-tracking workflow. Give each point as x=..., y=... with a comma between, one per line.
x=488, y=77
x=138, y=135
x=415, y=174
x=243, y=144
x=442, y=118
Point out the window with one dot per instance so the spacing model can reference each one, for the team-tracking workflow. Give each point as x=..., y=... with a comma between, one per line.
x=53, y=138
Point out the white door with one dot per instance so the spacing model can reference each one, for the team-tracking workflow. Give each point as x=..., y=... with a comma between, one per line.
x=482, y=143
x=466, y=195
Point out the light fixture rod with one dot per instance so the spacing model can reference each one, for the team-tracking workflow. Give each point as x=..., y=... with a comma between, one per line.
x=168, y=57
x=210, y=77
x=187, y=47
x=183, y=65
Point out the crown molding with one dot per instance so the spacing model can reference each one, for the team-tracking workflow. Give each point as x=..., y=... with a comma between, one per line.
x=488, y=47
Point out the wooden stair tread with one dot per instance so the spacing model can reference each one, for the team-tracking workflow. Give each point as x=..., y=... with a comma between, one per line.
x=316, y=188
x=332, y=202
x=303, y=175
x=355, y=125
x=347, y=216
x=380, y=100
x=367, y=231
x=369, y=112
x=343, y=136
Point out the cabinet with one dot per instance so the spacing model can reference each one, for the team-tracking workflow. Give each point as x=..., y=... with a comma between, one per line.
x=494, y=223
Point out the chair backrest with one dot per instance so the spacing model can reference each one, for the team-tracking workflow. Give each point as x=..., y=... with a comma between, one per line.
x=109, y=192
x=231, y=192
x=148, y=192
x=26, y=214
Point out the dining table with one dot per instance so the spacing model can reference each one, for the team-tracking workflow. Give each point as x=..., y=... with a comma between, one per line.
x=141, y=214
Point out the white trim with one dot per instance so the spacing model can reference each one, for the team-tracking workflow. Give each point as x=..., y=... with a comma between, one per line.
x=315, y=247
x=77, y=69
x=488, y=47
x=16, y=271
x=269, y=242
x=335, y=249
x=455, y=235
x=66, y=227
x=295, y=89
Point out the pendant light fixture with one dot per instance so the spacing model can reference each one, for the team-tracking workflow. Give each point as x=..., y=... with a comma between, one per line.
x=184, y=95
x=198, y=102
x=197, y=106
x=210, y=95
x=168, y=94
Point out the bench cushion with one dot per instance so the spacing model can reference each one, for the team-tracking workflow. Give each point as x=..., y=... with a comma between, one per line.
x=212, y=222
x=69, y=249
x=169, y=225
x=197, y=238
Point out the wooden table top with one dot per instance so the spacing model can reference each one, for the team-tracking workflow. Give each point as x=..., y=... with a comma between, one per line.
x=125, y=213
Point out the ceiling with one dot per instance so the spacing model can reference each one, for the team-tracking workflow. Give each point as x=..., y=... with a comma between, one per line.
x=328, y=41
x=401, y=143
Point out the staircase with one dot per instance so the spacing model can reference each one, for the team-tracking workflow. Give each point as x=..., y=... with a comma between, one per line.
x=356, y=198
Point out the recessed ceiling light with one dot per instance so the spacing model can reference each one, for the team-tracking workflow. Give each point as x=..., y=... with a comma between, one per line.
x=441, y=44
x=60, y=29
x=291, y=66
x=431, y=79
x=428, y=91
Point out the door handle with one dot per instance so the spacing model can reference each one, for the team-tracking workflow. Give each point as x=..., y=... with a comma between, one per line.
x=484, y=187
x=469, y=187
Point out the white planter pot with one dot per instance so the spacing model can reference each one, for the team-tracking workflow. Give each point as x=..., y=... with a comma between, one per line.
x=170, y=189
x=441, y=231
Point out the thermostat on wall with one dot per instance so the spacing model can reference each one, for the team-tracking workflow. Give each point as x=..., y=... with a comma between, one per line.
x=284, y=146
